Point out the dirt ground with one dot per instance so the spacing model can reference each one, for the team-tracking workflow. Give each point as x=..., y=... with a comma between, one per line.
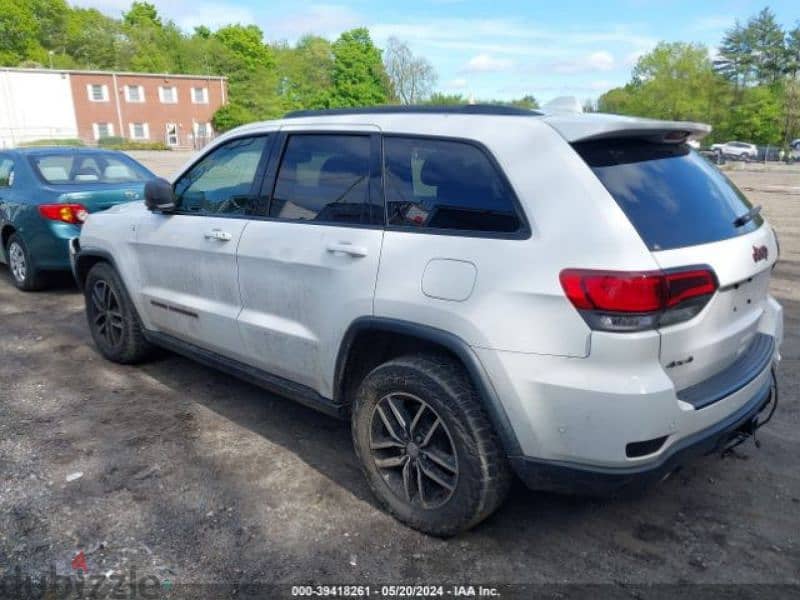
x=189, y=475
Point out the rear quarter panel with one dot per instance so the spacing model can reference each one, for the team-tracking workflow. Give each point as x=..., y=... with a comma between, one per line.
x=517, y=303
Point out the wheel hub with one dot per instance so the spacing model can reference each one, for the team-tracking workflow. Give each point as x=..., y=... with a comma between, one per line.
x=413, y=450
x=16, y=261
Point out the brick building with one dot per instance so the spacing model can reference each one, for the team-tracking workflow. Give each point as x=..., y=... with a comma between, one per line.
x=173, y=109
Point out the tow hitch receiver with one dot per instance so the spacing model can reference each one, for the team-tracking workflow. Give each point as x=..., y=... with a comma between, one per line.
x=748, y=429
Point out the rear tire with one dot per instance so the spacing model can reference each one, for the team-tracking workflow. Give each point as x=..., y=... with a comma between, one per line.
x=113, y=321
x=23, y=273
x=427, y=448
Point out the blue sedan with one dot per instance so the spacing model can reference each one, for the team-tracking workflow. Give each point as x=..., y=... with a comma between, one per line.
x=46, y=194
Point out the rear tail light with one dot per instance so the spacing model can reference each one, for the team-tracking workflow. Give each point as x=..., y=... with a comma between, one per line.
x=638, y=300
x=67, y=213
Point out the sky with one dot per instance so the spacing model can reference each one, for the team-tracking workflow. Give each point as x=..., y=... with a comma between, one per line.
x=493, y=49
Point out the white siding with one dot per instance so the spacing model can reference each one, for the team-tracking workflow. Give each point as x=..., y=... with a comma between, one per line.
x=35, y=106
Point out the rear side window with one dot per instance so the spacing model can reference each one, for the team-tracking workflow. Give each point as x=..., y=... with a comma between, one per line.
x=444, y=184
x=325, y=179
x=672, y=196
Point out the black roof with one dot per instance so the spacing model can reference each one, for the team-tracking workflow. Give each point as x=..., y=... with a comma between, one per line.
x=457, y=109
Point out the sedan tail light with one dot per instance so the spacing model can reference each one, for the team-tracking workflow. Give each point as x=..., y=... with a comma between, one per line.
x=638, y=300
x=67, y=213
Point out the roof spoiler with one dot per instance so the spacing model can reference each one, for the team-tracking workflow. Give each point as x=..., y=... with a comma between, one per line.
x=596, y=126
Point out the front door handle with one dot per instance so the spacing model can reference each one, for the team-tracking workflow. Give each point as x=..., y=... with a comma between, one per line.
x=347, y=248
x=219, y=235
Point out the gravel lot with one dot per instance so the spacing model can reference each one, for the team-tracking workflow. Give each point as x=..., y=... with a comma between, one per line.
x=192, y=476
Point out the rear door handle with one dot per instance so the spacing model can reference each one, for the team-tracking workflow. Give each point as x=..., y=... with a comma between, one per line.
x=218, y=234
x=347, y=248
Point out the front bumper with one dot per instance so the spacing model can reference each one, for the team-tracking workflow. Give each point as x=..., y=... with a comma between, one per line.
x=582, y=479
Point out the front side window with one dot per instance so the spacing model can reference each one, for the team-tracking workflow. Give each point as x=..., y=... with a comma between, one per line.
x=6, y=172
x=444, y=184
x=222, y=182
x=87, y=168
x=324, y=178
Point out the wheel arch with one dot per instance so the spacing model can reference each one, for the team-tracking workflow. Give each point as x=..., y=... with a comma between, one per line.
x=370, y=341
x=86, y=259
x=5, y=234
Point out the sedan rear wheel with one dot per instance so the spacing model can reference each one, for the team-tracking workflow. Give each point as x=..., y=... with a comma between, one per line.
x=23, y=273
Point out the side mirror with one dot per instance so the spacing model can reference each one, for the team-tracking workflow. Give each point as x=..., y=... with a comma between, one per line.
x=159, y=195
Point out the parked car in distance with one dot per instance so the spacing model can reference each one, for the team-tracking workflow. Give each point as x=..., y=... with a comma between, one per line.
x=46, y=194
x=578, y=299
x=738, y=150
x=794, y=151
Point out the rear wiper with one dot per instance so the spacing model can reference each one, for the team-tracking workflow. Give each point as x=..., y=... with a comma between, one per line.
x=747, y=217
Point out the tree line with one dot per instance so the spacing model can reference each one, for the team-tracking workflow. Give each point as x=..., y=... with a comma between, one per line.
x=748, y=91
x=265, y=79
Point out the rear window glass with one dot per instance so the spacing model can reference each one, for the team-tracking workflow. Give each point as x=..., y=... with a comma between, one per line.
x=87, y=168
x=672, y=196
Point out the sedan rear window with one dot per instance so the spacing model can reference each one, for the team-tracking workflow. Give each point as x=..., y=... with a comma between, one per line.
x=87, y=169
x=672, y=196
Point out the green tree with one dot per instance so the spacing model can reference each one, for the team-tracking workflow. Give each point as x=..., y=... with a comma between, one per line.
x=305, y=72
x=441, y=99
x=735, y=60
x=51, y=18
x=93, y=39
x=247, y=41
x=793, y=52
x=756, y=117
x=19, y=32
x=768, y=47
x=358, y=76
x=142, y=14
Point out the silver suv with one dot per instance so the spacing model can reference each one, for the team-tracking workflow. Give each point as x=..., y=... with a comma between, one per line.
x=578, y=299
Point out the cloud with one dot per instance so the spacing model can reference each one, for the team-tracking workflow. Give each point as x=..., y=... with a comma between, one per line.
x=485, y=63
x=457, y=84
x=214, y=16
x=321, y=19
x=712, y=23
x=601, y=60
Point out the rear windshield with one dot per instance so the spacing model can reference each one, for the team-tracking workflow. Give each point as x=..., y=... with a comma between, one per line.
x=671, y=194
x=88, y=168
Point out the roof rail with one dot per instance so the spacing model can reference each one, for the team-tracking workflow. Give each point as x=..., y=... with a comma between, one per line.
x=458, y=109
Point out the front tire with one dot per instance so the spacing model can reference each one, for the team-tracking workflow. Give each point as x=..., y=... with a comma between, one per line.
x=427, y=448
x=112, y=318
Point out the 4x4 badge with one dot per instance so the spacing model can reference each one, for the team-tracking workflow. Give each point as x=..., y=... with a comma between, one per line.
x=760, y=253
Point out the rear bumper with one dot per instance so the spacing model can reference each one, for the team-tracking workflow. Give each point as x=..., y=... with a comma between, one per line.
x=582, y=479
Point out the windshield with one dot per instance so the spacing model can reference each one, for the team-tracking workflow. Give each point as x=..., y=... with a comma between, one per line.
x=672, y=196
x=87, y=168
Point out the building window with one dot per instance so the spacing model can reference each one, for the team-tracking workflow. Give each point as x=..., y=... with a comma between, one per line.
x=140, y=131
x=103, y=130
x=199, y=95
x=203, y=130
x=168, y=94
x=97, y=92
x=134, y=93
